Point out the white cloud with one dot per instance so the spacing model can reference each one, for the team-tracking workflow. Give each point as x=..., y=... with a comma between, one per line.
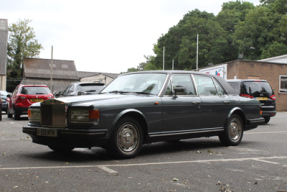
x=102, y=36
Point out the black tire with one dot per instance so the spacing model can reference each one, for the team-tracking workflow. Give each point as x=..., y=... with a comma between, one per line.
x=267, y=119
x=9, y=115
x=233, y=131
x=61, y=149
x=0, y=114
x=16, y=115
x=126, y=139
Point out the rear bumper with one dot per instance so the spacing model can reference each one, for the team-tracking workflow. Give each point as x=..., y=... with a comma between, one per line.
x=268, y=113
x=4, y=106
x=253, y=123
x=21, y=110
x=69, y=138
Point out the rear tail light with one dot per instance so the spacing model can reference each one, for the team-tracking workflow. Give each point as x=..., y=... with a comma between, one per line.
x=21, y=97
x=273, y=97
x=245, y=95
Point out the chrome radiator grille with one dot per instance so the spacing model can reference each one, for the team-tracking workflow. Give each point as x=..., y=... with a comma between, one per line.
x=53, y=113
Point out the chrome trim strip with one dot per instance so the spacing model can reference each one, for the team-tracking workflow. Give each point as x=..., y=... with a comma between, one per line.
x=267, y=107
x=164, y=85
x=100, y=133
x=170, y=133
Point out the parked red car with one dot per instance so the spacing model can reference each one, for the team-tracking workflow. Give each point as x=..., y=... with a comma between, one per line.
x=25, y=95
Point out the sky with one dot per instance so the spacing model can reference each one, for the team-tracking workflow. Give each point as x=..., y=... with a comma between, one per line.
x=102, y=35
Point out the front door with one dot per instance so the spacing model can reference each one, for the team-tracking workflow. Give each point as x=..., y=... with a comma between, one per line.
x=181, y=113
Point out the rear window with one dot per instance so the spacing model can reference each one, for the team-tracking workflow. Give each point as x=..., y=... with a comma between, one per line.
x=35, y=90
x=235, y=86
x=255, y=88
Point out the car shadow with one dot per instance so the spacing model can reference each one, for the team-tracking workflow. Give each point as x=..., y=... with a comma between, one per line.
x=97, y=154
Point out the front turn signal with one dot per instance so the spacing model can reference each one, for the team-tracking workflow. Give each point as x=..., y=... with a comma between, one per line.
x=94, y=114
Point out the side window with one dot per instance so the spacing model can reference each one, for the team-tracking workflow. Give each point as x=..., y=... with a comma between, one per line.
x=15, y=91
x=182, y=83
x=205, y=85
x=219, y=88
x=71, y=89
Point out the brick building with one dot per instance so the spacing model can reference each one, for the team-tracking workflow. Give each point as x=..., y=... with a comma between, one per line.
x=274, y=73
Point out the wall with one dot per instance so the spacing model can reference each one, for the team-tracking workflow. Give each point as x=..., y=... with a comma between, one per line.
x=97, y=78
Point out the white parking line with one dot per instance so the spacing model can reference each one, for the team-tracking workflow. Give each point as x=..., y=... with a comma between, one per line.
x=113, y=172
x=249, y=133
x=144, y=164
x=275, y=163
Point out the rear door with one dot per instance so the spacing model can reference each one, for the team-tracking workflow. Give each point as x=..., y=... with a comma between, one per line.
x=215, y=103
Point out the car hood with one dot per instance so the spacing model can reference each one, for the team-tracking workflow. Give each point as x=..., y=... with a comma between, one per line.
x=86, y=100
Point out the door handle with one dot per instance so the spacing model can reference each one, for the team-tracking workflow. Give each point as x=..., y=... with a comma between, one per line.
x=195, y=103
x=226, y=102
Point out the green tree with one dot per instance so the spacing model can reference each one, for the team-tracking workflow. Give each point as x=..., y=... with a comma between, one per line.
x=231, y=13
x=21, y=44
x=263, y=30
x=181, y=42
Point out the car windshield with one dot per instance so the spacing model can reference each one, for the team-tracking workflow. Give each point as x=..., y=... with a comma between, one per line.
x=90, y=88
x=254, y=88
x=35, y=90
x=149, y=83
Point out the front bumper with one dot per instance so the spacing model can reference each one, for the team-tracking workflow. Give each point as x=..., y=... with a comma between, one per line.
x=85, y=138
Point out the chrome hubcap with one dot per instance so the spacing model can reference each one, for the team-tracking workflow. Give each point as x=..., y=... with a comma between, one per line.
x=128, y=138
x=235, y=129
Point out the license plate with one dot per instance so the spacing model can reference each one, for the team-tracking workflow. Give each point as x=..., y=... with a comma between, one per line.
x=47, y=132
x=261, y=98
x=36, y=100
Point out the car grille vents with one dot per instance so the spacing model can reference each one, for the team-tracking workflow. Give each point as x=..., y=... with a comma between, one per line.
x=53, y=113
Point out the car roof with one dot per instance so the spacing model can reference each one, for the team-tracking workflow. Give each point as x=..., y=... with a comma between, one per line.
x=32, y=85
x=246, y=80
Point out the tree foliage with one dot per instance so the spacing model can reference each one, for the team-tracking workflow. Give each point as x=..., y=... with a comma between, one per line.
x=240, y=27
x=21, y=44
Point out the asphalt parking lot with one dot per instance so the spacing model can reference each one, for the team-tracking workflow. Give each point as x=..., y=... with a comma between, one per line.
x=259, y=163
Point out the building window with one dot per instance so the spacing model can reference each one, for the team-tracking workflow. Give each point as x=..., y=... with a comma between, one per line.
x=283, y=83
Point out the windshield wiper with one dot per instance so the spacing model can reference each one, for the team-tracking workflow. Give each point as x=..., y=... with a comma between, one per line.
x=139, y=92
x=120, y=92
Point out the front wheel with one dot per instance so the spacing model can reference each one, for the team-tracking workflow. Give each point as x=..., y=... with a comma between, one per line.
x=126, y=139
x=233, y=131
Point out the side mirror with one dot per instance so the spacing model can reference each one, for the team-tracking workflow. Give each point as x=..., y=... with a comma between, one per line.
x=9, y=96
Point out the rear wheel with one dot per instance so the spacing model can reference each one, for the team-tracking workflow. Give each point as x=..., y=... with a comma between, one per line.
x=61, y=149
x=126, y=139
x=0, y=114
x=233, y=131
x=267, y=119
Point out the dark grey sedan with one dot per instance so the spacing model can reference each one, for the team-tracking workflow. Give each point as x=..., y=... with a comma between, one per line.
x=144, y=107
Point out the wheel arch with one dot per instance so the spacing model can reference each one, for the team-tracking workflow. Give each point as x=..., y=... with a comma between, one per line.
x=137, y=115
x=239, y=112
